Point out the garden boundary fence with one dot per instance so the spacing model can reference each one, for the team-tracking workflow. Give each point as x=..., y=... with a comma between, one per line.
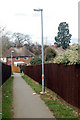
x=63, y=80
x=15, y=69
x=5, y=71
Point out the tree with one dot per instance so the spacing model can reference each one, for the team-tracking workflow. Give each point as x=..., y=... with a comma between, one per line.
x=50, y=53
x=1, y=32
x=63, y=37
x=6, y=44
x=36, y=49
x=35, y=60
x=21, y=39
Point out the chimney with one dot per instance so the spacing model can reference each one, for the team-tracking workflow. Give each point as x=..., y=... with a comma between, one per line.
x=55, y=45
x=17, y=46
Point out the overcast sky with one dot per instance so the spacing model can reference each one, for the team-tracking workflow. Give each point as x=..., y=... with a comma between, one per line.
x=18, y=16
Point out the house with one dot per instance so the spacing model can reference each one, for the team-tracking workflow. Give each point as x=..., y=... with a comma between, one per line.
x=20, y=56
x=59, y=50
x=3, y=60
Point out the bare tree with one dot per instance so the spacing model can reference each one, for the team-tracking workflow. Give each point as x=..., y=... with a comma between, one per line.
x=21, y=39
x=5, y=42
x=1, y=33
x=5, y=45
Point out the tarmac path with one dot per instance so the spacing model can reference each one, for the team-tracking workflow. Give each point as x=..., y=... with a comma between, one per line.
x=25, y=103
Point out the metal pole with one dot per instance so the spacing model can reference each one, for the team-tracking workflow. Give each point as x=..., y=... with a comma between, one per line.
x=43, y=86
x=11, y=62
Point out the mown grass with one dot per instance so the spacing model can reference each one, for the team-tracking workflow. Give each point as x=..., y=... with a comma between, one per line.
x=59, y=108
x=7, y=96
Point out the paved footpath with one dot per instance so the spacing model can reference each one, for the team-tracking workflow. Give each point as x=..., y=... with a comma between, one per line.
x=27, y=105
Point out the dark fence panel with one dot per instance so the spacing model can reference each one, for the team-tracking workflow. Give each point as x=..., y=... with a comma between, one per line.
x=0, y=73
x=64, y=80
x=6, y=72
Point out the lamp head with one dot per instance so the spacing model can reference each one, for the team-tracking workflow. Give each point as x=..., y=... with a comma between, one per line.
x=38, y=9
x=12, y=51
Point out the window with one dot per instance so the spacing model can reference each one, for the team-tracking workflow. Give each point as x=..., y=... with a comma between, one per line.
x=26, y=64
x=10, y=59
x=17, y=58
x=25, y=58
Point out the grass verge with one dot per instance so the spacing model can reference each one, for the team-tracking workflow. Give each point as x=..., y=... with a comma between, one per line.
x=7, y=89
x=59, y=108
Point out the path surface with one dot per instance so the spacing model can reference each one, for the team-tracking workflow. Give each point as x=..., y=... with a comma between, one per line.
x=27, y=105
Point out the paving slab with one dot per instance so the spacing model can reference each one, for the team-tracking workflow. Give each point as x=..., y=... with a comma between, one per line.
x=25, y=103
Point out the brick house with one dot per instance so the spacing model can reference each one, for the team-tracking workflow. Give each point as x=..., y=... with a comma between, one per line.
x=20, y=55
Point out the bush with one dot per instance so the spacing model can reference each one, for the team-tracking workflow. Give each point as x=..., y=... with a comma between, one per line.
x=71, y=56
x=35, y=60
x=21, y=68
x=78, y=61
x=62, y=59
x=50, y=53
x=58, y=59
x=65, y=60
x=74, y=47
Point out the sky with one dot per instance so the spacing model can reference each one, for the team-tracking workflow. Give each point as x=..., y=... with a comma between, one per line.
x=18, y=16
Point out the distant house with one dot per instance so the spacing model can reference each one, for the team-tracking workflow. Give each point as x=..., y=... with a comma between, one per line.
x=3, y=60
x=59, y=50
x=20, y=55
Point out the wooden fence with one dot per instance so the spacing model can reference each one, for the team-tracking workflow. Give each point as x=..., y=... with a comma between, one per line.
x=15, y=69
x=0, y=73
x=63, y=80
x=5, y=72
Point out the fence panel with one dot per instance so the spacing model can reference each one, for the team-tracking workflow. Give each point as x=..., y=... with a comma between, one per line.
x=6, y=72
x=64, y=80
x=15, y=69
x=0, y=73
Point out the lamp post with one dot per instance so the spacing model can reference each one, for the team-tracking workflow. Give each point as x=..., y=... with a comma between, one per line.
x=43, y=86
x=11, y=61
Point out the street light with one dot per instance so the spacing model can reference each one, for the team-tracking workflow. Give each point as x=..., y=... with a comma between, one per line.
x=11, y=60
x=43, y=87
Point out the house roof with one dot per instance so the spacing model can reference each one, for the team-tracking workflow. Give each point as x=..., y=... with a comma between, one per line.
x=58, y=50
x=19, y=52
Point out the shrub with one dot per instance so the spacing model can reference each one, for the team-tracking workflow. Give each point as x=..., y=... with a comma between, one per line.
x=65, y=60
x=35, y=60
x=78, y=61
x=69, y=57
x=58, y=59
x=50, y=53
x=74, y=47
x=21, y=68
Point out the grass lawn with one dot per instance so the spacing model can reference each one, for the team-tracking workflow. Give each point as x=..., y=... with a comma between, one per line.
x=59, y=108
x=7, y=89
